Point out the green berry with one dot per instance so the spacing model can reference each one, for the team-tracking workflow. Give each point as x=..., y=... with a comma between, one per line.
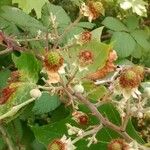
x=129, y=79
x=54, y=58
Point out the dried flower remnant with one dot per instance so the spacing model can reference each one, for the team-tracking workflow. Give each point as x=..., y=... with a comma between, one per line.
x=57, y=144
x=86, y=36
x=80, y=117
x=61, y=144
x=52, y=63
x=131, y=77
x=86, y=57
x=109, y=67
x=92, y=10
x=118, y=144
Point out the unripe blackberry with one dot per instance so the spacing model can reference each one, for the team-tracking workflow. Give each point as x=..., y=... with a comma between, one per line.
x=53, y=61
x=56, y=145
x=80, y=117
x=129, y=79
x=117, y=144
x=54, y=58
x=86, y=36
x=96, y=9
x=86, y=57
x=139, y=70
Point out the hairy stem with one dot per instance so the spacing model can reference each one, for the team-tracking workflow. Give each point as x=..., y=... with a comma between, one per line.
x=6, y=51
x=67, y=30
x=87, y=133
x=101, y=118
x=127, y=117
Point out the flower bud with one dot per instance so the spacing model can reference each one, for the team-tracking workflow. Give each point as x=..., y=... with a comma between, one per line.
x=79, y=88
x=35, y=93
x=147, y=91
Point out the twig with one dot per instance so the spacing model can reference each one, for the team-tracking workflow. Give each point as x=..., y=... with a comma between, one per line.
x=6, y=51
x=6, y=137
x=15, y=109
x=90, y=132
x=67, y=30
x=102, y=119
x=127, y=117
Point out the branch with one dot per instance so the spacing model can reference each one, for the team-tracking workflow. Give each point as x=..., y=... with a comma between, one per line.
x=102, y=119
x=6, y=51
x=6, y=137
x=67, y=30
x=127, y=117
x=15, y=109
x=90, y=132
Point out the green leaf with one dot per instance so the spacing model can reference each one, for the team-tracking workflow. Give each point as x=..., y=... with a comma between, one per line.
x=133, y=133
x=141, y=37
x=124, y=44
x=132, y=22
x=70, y=35
x=96, y=33
x=14, y=128
x=5, y=2
x=61, y=16
x=4, y=75
x=114, y=24
x=14, y=18
x=28, y=65
x=87, y=25
x=28, y=5
x=100, y=53
x=46, y=134
x=137, y=53
x=93, y=91
x=18, y=98
x=46, y=103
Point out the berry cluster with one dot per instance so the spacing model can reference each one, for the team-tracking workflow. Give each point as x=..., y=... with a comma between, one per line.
x=53, y=61
x=131, y=77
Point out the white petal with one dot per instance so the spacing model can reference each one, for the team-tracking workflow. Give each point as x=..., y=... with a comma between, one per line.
x=126, y=5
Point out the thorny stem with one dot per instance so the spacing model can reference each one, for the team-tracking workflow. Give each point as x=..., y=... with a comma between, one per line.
x=101, y=118
x=127, y=117
x=90, y=132
x=6, y=51
x=6, y=137
x=67, y=30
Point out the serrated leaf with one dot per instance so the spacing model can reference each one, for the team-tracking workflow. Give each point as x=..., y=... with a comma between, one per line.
x=87, y=25
x=9, y=19
x=61, y=16
x=18, y=98
x=141, y=37
x=132, y=22
x=137, y=53
x=96, y=33
x=93, y=91
x=114, y=24
x=5, y=2
x=28, y=5
x=46, y=103
x=124, y=43
x=100, y=53
x=46, y=134
x=28, y=65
